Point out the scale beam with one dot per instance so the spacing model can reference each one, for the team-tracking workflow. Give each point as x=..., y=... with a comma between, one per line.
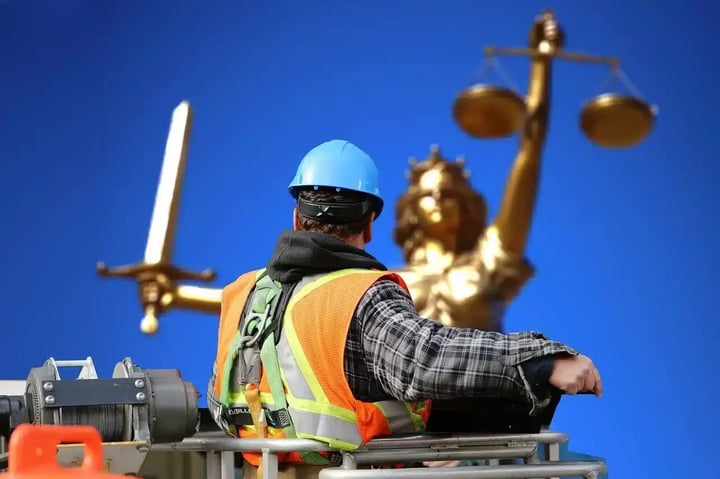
x=561, y=54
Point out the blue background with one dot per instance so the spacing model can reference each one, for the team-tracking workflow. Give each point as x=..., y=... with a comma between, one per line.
x=623, y=240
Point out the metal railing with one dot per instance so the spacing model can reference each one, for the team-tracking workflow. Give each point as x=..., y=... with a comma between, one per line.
x=492, y=448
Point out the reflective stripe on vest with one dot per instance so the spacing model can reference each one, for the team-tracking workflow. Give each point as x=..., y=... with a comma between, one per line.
x=313, y=415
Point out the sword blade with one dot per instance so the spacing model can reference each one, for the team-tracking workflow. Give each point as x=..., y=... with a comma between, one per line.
x=161, y=238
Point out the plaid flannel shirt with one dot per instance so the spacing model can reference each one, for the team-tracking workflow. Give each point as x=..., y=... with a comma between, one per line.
x=392, y=353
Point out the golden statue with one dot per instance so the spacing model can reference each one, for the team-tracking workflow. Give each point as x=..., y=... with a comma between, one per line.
x=461, y=271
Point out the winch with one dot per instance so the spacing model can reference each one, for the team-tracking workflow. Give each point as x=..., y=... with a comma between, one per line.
x=131, y=410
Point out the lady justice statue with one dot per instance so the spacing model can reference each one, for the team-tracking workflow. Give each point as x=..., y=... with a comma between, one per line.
x=461, y=270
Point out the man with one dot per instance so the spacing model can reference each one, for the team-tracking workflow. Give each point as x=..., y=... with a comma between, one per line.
x=324, y=343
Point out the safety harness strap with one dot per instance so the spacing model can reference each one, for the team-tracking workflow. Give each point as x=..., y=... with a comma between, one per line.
x=254, y=346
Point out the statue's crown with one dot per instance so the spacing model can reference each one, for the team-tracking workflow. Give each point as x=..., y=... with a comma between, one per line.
x=437, y=172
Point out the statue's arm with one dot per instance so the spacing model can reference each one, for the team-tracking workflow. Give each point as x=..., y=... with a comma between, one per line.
x=514, y=218
x=502, y=273
x=501, y=250
x=198, y=298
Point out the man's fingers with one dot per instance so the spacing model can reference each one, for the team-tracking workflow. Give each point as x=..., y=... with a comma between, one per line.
x=576, y=375
x=572, y=388
x=589, y=381
x=598, y=382
x=581, y=385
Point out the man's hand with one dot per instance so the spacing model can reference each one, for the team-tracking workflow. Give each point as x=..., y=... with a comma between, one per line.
x=575, y=375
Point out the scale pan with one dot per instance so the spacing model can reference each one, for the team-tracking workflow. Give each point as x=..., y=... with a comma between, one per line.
x=616, y=121
x=486, y=111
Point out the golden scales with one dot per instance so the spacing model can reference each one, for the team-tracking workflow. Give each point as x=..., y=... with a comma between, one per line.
x=610, y=120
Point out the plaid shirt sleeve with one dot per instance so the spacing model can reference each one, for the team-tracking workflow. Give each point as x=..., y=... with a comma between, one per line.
x=413, y=358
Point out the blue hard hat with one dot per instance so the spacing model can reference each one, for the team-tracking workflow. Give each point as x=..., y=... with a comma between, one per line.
x=338, y=164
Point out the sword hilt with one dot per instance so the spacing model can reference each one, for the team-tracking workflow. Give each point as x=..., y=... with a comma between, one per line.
x=157, y=285
x=144, y=270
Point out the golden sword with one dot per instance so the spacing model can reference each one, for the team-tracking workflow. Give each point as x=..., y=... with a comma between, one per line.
x=156, y=275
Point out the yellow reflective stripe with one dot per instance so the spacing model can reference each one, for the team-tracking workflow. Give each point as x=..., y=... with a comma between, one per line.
x=334, y=443
x=302, y=360
x=290, y=371
x=327, y=427
x=315, y=407
x=238, y=399
x=299, y=392
x=309, y=288
x=398, y=416
x=292, y=338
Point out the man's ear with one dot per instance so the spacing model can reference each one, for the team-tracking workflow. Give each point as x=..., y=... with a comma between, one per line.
x=296, y=219
x=367, y=232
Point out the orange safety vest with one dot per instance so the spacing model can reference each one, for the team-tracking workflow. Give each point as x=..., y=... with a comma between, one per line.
x=310, y=354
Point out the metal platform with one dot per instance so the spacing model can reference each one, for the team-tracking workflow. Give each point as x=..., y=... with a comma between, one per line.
x=220, y=450
x=212, y=455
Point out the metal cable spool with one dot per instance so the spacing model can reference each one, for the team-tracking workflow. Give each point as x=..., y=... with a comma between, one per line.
x=154, y=405
x=172, y=403
x=109, y=419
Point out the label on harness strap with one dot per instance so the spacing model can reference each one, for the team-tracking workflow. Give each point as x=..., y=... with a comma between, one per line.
x=241, y=416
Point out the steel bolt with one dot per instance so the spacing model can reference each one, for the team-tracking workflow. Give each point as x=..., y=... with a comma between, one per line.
x=48, y=386
x=50, y=399
x=140, y=396
x=139, y=383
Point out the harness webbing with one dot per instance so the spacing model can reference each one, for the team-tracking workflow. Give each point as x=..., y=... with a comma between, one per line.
x=259, y=331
